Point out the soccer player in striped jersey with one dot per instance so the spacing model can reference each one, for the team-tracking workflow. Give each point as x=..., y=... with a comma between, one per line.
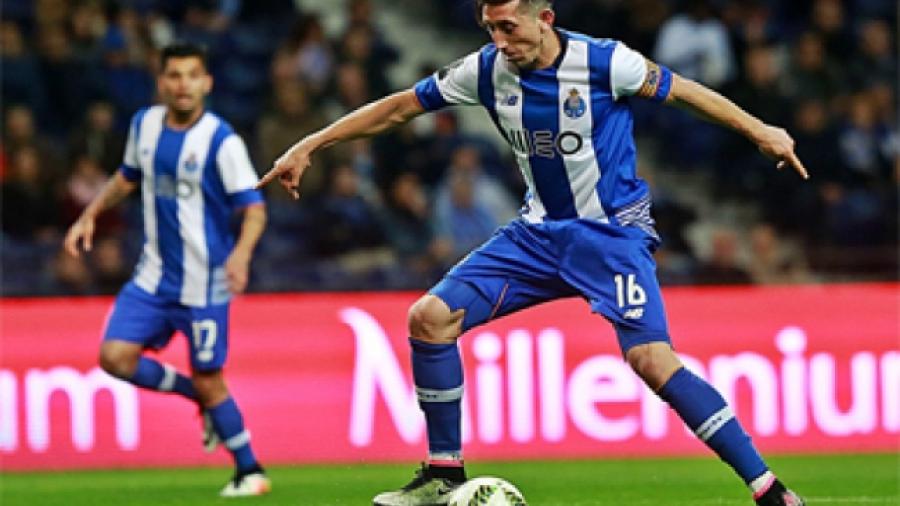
x=194, y=173
x=561, y=100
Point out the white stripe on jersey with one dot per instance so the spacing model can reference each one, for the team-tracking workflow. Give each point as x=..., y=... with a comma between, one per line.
x=191, y=213
x=149, y=271
x=581, y=166
x=509, y=99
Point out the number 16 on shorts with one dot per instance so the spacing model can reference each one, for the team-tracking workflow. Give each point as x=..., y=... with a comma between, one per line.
x=630, y=293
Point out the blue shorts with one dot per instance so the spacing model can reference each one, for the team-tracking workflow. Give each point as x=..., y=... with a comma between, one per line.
x=525, y=264
x=150, y=321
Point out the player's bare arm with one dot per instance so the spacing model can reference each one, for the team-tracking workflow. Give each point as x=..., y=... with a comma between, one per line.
x=368, y=120
x=82, y=231
x=237, y=266
x=772, y=141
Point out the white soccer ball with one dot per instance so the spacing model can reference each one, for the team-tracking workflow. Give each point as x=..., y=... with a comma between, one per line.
x=487, y=491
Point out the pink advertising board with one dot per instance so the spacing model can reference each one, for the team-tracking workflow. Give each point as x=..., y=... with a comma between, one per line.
x=326, y=378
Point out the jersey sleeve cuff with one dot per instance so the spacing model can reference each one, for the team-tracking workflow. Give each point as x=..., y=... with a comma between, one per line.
x=130, y=173
x=245, y=198
x=429, y=95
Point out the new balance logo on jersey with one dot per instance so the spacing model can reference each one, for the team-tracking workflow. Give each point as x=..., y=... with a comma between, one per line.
x=634, y=314
x=509, y=100
x=543, y=143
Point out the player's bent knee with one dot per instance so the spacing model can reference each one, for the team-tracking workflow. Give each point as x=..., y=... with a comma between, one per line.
x=431, y=320
x=655, y=363
x=210, y=387
x=119, y=359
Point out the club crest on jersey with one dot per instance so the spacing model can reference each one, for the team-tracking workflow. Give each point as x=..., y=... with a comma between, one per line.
x=191, y=164
x=574, y=106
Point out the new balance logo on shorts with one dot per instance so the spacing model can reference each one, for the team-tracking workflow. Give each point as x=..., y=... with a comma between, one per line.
x=634, y=314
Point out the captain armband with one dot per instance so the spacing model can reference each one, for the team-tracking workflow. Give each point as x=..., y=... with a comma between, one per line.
x=657, y=83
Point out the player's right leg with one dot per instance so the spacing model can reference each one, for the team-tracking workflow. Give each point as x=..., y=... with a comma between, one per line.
x=508, y=273
x=138, y=321
x=207, y=331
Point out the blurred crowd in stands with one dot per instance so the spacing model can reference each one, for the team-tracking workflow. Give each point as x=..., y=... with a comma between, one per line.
x=395, y=211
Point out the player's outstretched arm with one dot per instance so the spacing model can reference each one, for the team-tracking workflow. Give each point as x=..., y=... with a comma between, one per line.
x=370, y=119
x=82, y=231
x=772, y=141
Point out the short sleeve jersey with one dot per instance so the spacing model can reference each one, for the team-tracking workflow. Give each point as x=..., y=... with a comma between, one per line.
x=569, y=125
x=191, y=182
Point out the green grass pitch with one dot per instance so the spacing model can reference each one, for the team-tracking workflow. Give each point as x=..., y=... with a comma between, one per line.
x=822, y=479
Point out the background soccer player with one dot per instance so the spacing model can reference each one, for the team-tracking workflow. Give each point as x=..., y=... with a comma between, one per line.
x=194, y=171
x=560, y=99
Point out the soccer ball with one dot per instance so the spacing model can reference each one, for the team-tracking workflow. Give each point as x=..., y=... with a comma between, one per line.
x=487, y=491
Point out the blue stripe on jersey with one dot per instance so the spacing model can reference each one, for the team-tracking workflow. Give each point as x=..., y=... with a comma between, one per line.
x=486, y=94
x=540, y=118
x=244, y=198
x=613, y=139
x=429, y=95
x=171, y=247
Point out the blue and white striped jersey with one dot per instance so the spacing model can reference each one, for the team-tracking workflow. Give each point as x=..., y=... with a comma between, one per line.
x=569, y=125
x=191, y=182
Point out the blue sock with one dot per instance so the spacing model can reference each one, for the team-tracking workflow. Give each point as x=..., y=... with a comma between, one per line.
x=437, y=372
x=704, y=410
x=152, y=375
x=229, y=425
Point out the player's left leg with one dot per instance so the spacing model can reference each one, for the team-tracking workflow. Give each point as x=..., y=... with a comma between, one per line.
x=207, y=332
x=705, y=411
x=621, y=284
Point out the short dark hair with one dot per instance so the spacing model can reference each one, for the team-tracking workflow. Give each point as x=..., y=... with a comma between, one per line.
x=182, y=50
x=533, y=4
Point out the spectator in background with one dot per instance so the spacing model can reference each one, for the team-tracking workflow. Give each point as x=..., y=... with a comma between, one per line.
x=409, y=230
x=772, y=261
x=488, y=193
x=289, y=117
x=69, y=275
x=352, y=86
x=645, y=17
x=695, y=44
x=752, y=24
x=356, y=48
x=811, y=73
x=87, y=27
x=306, y=55
x=29, y=210
x=861, y=140
x=127, y=71
x=21, y=79
x=98, y=138
x=829, y=23
x=877, y=61
x=359, y=16
x=83, y=185
x=460, y=218
x=70, y=83
x=353, y=234
x=110, y=270
x=723, y=266
x=20, y=131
